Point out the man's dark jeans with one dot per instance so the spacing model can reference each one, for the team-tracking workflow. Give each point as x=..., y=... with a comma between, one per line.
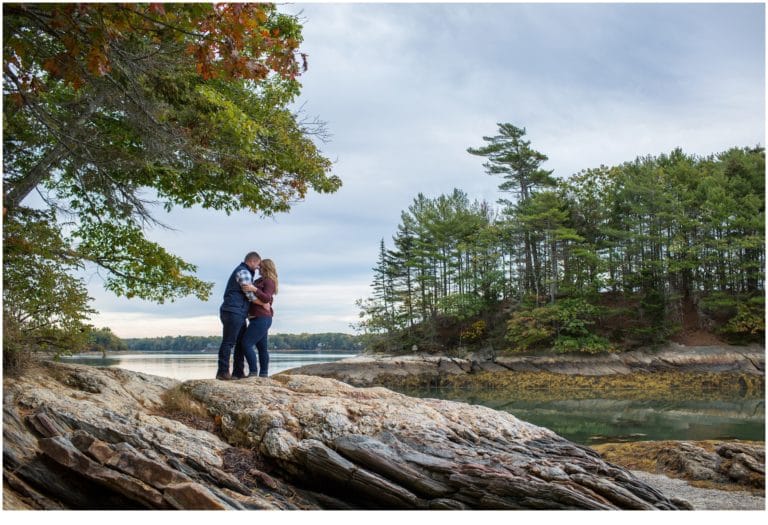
x=234, y=328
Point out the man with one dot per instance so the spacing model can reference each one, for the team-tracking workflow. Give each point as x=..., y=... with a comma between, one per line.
x=234, y=310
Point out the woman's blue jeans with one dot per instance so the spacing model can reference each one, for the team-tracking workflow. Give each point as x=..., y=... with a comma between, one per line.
x=255, y=335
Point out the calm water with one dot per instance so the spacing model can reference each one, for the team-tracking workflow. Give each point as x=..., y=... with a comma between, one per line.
x=196, y=366
x=586, y=421
x=599, y=420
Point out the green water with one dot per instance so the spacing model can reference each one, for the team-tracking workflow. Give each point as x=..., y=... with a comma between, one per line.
x=599, y=420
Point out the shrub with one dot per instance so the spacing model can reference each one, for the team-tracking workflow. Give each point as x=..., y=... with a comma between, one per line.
x=749, y=321
x=461, y=306
x=531, y=328
x=563, y=326
x=475, y=332
x=589, y=344
x=738, y=318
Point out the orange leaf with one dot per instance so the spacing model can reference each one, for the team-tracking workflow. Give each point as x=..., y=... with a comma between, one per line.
x=51, y=66
x=98, y=64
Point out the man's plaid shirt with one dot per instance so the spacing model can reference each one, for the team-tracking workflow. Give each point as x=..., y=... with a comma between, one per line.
x=244, y=277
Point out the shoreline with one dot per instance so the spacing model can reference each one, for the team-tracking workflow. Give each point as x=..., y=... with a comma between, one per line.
x=702, y=498
x=290, y=442
x=117, y=353
x=745, y=364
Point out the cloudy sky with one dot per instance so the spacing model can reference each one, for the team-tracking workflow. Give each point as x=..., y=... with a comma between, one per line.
x=406, y=88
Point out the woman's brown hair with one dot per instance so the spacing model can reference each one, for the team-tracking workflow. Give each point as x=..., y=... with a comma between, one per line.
x=267, y=270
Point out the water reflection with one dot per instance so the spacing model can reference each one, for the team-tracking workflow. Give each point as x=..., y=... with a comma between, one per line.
x=195, y=366
x=592, y=421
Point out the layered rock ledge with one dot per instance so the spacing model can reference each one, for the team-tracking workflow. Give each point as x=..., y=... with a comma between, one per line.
x=82, y=437
x=77, y=437
x=428, y=370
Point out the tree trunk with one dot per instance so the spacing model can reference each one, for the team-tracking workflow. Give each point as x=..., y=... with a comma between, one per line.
x=553, y=282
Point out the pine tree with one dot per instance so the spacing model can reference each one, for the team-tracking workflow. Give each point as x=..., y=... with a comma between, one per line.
x=512, y=157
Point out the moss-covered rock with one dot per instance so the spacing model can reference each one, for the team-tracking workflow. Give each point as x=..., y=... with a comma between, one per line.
x=731, y=465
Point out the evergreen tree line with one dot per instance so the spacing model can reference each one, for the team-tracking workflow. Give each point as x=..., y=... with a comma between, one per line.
x=187, y=343
x=609, y=258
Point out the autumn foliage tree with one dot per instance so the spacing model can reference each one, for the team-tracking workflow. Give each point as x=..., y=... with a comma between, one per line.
x=110, y=109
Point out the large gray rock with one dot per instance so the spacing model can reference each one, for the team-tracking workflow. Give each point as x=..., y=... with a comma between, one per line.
x=90, y=438
x=374, y=448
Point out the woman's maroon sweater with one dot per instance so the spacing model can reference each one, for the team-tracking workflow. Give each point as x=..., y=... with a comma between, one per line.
x=266, y=289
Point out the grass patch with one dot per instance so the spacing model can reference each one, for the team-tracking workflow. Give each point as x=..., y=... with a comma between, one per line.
x=178, y=404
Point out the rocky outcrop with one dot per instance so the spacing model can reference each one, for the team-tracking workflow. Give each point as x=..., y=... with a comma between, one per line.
x=86, y=438
x=426, y=370
x=77, y=437
x=374, y=448
x=732, y=463
x=727, y=465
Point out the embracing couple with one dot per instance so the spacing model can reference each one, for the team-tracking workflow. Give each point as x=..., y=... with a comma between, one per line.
x=246, y=298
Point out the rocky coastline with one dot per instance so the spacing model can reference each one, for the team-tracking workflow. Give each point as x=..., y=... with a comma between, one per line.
x=79, y=437
x=740, y=367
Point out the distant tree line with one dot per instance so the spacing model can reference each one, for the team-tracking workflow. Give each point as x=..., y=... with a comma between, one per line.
x=609, y=258
x=187, y=343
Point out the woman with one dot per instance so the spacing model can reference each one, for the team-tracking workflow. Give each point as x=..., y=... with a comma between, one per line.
x=259, y=320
